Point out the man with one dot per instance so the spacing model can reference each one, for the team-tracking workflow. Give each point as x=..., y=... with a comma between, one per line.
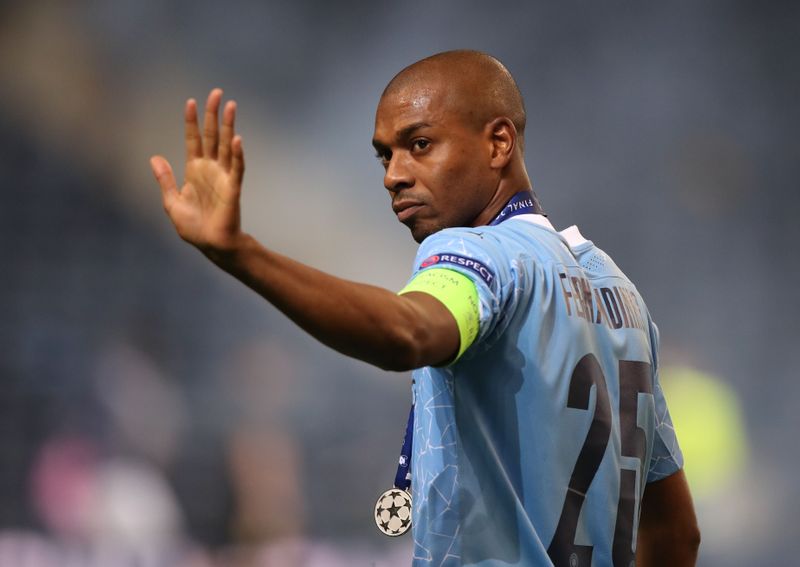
x=541, y=435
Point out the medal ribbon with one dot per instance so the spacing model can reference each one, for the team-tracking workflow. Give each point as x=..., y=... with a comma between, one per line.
x=402, y=479
x=523, y=203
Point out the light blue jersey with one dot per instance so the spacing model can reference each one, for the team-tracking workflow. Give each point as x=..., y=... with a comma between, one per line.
x=534, y=448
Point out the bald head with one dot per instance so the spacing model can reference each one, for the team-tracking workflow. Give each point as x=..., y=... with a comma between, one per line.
x=448, y=132
x=476, y=86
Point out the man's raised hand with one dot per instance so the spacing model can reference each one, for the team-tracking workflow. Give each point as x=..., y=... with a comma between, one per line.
x=206, y=211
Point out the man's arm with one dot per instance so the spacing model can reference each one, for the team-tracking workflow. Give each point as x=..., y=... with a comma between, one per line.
x=365, y=322
x=668, y=533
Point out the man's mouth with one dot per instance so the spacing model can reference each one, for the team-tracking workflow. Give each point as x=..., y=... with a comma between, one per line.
x=405, y=210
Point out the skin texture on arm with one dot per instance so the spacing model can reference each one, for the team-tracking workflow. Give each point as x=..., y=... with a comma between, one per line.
x=359, y=320
x=668, y=534
x=362, y=321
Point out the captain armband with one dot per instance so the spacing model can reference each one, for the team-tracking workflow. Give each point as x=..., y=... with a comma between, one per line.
x=456, y=292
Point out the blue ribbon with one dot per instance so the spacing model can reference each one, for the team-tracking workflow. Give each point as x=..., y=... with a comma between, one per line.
x=402, y=479
x=523, y=203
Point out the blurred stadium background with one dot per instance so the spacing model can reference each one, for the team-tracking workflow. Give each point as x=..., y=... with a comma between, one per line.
x=153, y=412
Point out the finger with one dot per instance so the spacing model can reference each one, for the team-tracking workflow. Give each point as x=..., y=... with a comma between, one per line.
x=210, y=126
x=237, y=167
x=194, y=148
x=226, y=136
x=166, y=180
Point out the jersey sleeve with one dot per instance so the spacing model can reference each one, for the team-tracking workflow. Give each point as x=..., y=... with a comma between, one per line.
x=458, y=294
x=667, y=457
x=477, y=256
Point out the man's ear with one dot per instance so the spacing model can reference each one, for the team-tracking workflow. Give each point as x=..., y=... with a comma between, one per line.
x=503, y=138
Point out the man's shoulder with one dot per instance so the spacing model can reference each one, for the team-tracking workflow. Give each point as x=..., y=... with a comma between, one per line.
x=476, y=234
x=500, y=244
x=471, y=251
x=493, y=239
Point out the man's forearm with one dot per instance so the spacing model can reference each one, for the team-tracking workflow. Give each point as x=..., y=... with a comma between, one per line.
x=365, y=322
x=668, y=535
x=358, y=320
x=667, y=549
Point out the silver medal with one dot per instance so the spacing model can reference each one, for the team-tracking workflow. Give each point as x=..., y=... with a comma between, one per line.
x=393, y=512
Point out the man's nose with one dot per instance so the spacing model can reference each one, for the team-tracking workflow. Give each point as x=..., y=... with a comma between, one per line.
x=398, y=175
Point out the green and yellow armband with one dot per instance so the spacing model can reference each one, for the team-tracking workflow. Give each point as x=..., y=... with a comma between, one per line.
x=456, y=292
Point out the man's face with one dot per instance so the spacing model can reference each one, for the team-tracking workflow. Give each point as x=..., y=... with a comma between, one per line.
x=436, y=162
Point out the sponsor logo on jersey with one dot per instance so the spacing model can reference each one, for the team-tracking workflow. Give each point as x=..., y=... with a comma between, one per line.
x=472, y=265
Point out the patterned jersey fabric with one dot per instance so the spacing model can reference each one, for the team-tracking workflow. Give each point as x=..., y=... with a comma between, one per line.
x=535, y=447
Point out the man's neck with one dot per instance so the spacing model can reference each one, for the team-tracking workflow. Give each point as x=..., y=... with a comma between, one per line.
x=503, y=194
x=495, y=205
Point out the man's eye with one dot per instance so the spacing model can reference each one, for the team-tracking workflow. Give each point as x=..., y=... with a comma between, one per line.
x=383, y=158
x=420, y=144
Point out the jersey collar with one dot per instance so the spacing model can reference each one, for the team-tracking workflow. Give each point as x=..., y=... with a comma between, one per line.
x=571, y=234
x=525, y=206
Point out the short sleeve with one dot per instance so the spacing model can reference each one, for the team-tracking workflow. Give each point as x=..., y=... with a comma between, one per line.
x=476, y=254
x=667, y=457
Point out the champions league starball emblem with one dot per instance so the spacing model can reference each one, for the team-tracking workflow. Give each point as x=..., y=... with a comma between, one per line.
x=393, y=512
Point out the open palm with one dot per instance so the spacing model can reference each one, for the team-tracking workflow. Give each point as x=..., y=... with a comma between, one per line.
x=205, y=211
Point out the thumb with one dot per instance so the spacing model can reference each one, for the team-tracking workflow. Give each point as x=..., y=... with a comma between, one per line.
x=166, y=179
